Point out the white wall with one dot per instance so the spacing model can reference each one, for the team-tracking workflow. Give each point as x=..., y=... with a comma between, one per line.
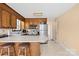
x=68, y=30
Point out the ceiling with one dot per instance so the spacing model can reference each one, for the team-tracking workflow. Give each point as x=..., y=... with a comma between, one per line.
x=49, y=10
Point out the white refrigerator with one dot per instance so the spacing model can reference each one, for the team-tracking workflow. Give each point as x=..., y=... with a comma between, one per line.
x=43, y=29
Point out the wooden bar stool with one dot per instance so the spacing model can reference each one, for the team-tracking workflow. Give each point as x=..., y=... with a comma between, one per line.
x=22, y=48
x=4, y=47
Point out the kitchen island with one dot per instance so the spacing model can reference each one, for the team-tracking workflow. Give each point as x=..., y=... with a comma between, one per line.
x=34, y=42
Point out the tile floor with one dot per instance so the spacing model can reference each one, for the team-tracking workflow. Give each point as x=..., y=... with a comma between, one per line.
x=53, y=49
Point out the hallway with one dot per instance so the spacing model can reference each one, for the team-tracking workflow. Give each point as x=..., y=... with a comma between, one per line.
x=53, y=49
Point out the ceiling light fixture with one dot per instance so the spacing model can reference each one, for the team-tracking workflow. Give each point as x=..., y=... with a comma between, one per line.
x=38, y=13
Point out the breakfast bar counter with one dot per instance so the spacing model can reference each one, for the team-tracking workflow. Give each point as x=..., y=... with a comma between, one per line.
x=24, y=38
x=34, y=42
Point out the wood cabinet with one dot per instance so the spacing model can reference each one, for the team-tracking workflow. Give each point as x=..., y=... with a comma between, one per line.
x=22, y=25
x=8, y=16
x=35, y=49
x=13, y=21
x=5, y=19
x=26, y=23
x=36, y=21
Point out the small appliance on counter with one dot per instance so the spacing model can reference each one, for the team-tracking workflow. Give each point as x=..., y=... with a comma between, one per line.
x=24, y=32
x=33, y=32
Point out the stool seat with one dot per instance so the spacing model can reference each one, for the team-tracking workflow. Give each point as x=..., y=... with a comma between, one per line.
x=7, y=47
x=7, y=44
x=23, y=44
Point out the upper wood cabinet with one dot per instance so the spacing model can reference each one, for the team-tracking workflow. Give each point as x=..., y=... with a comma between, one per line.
x=36, y=21
x=13, y=21
x=26, y=23
x=8, y=16
x=22, y=25
x=5, y=22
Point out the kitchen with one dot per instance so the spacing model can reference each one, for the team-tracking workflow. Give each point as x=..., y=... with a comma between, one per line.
x=44, y=29
x=19, y=35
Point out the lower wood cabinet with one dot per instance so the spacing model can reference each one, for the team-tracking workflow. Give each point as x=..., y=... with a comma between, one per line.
x=35, y=49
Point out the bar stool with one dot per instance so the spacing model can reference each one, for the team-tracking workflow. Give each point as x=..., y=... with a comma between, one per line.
x=23, y=48
x=4, y=47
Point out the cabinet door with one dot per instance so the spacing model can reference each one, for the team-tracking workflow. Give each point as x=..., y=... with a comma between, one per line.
x=35, y=49
x=27, y=23
x=22, y=25
x=13, y=21
x=36, y=21
x=5, y=19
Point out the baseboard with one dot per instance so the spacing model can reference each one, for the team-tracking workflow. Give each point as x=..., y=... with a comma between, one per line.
x=73, y=53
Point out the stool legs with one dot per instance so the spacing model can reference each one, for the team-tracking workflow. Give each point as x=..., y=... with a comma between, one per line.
x=18, y=52
x=25, y=51
x=20, y=49
x=8, y=51
x=3, y=49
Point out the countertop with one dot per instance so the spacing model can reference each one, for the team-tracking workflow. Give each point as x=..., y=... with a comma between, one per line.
x=24, y=38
